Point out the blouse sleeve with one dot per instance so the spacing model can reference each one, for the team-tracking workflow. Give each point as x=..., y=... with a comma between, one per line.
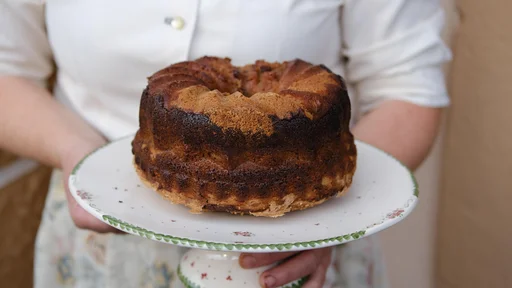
x=24, y=47
x=395, y=51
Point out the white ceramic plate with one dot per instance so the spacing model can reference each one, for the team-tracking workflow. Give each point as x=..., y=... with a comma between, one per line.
x=106, y=185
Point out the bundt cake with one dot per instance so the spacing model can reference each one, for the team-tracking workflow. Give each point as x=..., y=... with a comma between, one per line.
x=263, y=139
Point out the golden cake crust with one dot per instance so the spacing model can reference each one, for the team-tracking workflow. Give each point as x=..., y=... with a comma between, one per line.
x=264, y=139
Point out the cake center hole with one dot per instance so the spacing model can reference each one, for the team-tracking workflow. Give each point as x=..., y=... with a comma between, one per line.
x=260, y=77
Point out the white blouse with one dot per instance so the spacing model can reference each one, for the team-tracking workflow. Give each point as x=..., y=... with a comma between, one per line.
x=105, y=50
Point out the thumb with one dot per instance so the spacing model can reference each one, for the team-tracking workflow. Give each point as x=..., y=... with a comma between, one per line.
x=85, y=220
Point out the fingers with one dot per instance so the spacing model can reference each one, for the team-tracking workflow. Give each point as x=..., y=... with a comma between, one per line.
x=248, y=261
x=317, y=279
x=303, y=264
x=84, y=220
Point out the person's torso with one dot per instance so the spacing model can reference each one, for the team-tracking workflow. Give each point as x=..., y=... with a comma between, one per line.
x=105, y=50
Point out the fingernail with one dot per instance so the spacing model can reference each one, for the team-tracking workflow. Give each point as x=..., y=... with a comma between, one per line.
x=248, y=261
x=270, y=281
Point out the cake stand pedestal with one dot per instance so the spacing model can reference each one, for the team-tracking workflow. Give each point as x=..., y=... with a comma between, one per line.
x=106, y=185
x=210, y=268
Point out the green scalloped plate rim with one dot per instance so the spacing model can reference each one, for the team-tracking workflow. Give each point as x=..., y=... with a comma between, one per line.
x=127, y=227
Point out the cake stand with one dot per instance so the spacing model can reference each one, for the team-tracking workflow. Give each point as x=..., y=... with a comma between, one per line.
x=105, y=184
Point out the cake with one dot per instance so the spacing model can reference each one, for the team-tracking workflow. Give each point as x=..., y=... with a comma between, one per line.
x=263, y=139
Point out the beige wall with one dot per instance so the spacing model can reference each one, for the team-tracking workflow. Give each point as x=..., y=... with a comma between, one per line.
x=475, y=228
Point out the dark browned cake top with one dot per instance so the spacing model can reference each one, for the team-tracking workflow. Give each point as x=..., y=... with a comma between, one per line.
x=248, y=98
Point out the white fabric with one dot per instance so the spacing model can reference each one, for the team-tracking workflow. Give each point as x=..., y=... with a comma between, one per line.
x=105, y=49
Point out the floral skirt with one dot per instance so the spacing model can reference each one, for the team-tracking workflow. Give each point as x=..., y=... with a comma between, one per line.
x=69, y=257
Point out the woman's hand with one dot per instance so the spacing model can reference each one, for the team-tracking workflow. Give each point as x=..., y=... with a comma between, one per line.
x=35, y=125
x=312, y=263
x=69, y=159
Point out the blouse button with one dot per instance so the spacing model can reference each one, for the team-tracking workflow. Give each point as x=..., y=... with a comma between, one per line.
x=176, y=22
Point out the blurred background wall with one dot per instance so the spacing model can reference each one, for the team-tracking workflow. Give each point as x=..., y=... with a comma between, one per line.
x=475, y=229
